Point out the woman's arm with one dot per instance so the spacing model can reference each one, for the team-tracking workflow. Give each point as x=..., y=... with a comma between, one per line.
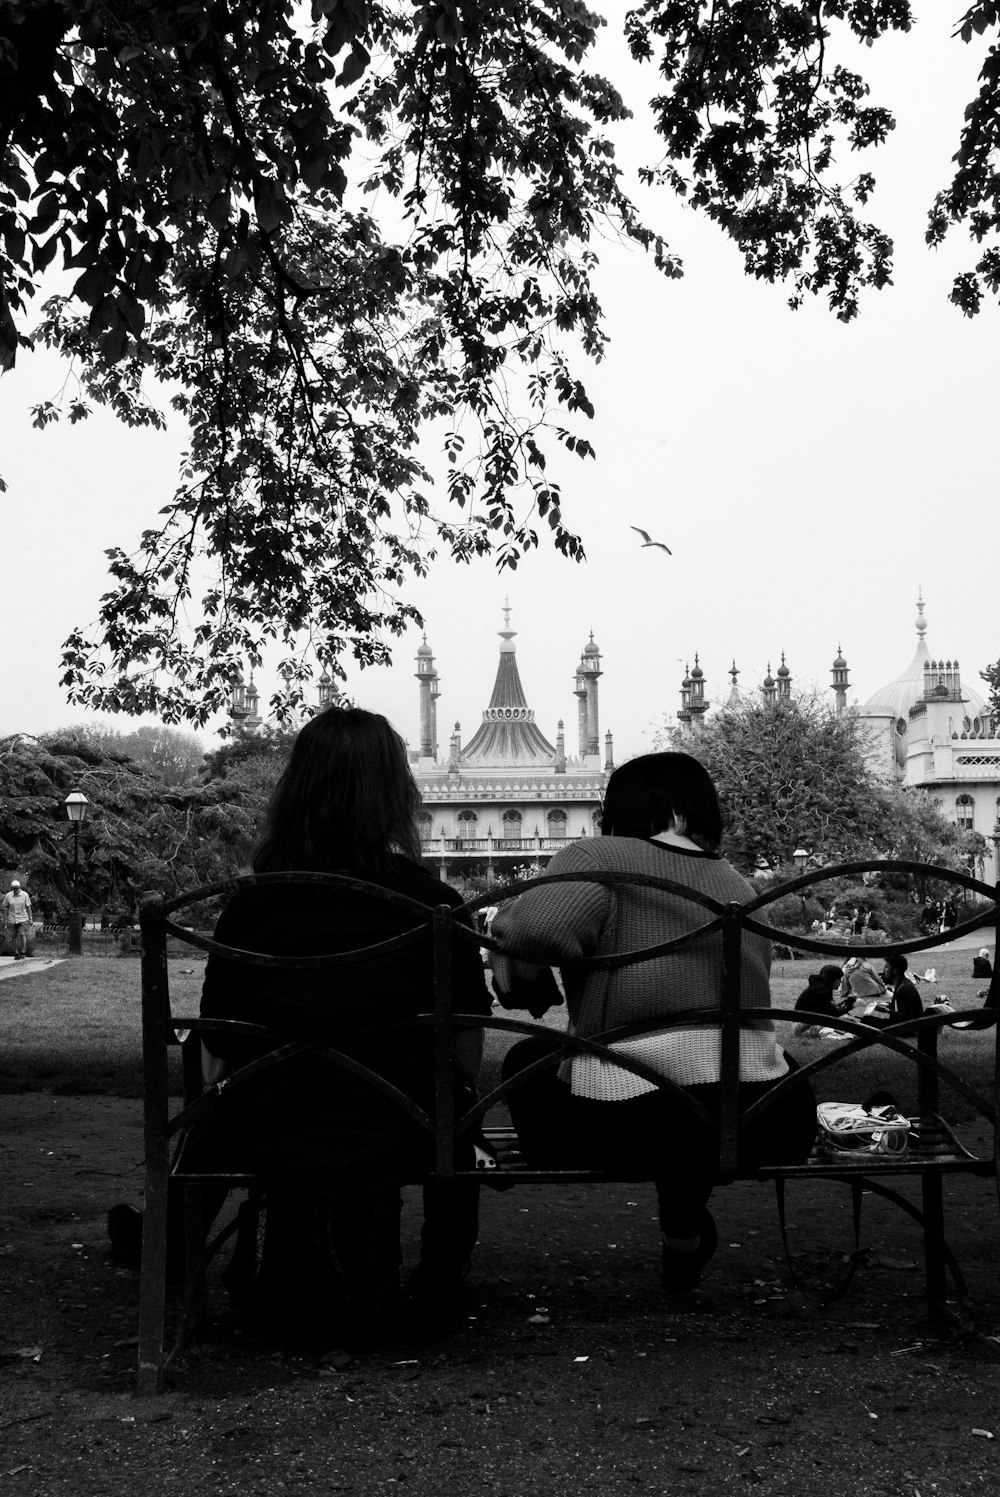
x=555, y=923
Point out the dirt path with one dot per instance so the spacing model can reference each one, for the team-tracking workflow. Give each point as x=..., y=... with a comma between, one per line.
x=572, y=1375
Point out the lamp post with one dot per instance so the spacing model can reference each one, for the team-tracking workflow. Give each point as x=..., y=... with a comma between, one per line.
x=800, y=858
x=76, y=804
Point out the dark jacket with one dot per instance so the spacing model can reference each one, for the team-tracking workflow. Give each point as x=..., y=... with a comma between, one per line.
x=306, y=1113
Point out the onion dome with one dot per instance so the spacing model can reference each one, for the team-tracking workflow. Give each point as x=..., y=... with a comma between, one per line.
x=897, y=697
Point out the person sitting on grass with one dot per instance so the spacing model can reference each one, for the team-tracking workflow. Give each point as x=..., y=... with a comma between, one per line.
x=905, y=1002
x=818, y=998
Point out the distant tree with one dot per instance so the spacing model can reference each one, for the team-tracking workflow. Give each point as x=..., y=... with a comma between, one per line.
x=175, y=757
x=791, y=775
x=795, y=774
x=920, y=832
x=991, y=675
x=139, y=832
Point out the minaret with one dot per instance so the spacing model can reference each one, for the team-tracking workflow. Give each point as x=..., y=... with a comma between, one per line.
x=768, y=687
x=698, y=706
x=326, y=690
x=244, y=704
x=429, y=693
x=734, y=691
x=559, y=762
x=580, y=692
x=253, y=718
x=609, y=753
x=454, y=750
x=684, y=715
x=784, y=681
x=841, y=684
x=587, y=676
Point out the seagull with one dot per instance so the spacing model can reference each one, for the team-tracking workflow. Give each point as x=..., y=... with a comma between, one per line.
x=648, y=541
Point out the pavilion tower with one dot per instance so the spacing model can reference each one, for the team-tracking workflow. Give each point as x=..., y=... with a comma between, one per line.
x=841, y=684
x=429, y=693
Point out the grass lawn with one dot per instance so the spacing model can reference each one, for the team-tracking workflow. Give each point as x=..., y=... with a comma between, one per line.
x=75, y=1029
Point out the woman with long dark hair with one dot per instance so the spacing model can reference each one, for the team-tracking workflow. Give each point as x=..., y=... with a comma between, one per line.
x=661, y=818
x=345, y=804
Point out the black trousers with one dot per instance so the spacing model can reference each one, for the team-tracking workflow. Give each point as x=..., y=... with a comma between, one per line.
x=652, y=1136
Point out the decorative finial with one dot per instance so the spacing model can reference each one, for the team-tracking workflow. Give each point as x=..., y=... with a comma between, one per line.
x=506, y=612
x=733, y=673
x=921, y=621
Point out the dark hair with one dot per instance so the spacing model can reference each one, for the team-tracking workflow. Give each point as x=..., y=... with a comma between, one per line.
x=831, y=974
x=646, y=794
x=346, y=799
x=897, y=963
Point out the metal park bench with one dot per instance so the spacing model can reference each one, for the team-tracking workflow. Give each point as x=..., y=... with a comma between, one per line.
x=936, y=1150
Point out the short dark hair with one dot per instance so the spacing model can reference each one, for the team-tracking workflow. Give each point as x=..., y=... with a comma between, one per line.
x=897, y=963
x=347, y=799
x=646, y=794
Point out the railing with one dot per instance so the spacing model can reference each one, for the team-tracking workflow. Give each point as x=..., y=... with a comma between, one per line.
x=437, y=846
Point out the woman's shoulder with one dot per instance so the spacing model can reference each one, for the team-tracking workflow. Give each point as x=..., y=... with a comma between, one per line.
x=419, y=883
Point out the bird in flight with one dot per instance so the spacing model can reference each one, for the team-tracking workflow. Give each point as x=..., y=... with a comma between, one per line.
x=648, y=541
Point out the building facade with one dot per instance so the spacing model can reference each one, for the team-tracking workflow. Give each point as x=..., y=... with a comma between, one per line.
x=927, y=729
x=509, y=798
x=931, y=731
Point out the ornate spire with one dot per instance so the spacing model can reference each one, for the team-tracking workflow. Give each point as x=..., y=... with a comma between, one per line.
x=507, y=734
x=840, y=683
x=507, y=633
x=921, y=621
x=430, y=690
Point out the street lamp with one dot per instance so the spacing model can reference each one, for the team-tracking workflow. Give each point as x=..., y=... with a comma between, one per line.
x=76, y=804
x=800, y=858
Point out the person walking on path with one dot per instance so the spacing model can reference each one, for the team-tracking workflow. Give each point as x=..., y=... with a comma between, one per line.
x=17, y=914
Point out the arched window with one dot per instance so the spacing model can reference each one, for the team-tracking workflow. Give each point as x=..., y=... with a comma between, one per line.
x=467, y=824
x=556, y=821
x=424, y=825
x=965, y=808
x=512, y=823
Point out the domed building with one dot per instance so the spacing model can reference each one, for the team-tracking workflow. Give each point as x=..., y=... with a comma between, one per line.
x=509, y=796
x=932, y=731
x=927, y=729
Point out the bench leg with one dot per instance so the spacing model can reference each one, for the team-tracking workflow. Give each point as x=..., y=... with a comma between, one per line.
x=935, y=1278
x=153, y=1288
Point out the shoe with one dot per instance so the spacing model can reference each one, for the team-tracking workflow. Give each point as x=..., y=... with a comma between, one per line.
x=125, y=1235
x=434, y=1304
x=682, y=1271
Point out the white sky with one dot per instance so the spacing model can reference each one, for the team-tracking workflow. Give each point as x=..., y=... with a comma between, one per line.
x=808, y=476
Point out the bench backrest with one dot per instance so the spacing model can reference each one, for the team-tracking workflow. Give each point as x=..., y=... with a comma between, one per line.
x=449, y=925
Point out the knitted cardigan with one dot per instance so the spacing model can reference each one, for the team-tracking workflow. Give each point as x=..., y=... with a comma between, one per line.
x=555, y=924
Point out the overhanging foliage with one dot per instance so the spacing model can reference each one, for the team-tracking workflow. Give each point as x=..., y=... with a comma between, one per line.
x=331, y=241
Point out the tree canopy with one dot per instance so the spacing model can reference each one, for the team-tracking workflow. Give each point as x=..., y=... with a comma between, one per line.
x=140, y=831
x=329, y=241
x=991, y=675
x=793, y=774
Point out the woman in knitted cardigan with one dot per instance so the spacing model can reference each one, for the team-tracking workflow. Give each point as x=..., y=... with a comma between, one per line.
x=661, y=818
